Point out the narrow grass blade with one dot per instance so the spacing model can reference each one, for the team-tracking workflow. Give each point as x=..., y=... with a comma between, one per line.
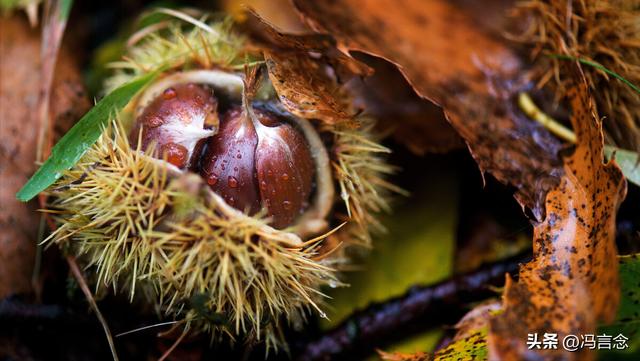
x=599, y=67
x=73, y=145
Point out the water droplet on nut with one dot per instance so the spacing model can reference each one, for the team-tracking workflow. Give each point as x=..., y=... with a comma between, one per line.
x=233, y=182
x=212, y=180
x=154, y=121
x=169, y=94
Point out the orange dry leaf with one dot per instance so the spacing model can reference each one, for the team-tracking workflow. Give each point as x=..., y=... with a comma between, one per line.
x=572, y=282
x=399, y=356
x=450, y=59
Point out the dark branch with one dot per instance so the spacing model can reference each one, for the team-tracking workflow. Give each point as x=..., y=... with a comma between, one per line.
x=14, y=310
x=430, y=306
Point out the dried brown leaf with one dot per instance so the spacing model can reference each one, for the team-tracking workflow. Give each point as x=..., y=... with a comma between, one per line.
x=572, y=282
x=19, y=88
x=305, y=71
x=305, y=89
x=266, y=35
x=415, y=123
x=451, y=60
x=277, y=12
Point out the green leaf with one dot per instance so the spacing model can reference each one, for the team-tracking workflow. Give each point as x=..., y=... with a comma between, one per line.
x=65, y=9
x=66, y=153
x=628, y=162
x=472, y=347
x=628, y=318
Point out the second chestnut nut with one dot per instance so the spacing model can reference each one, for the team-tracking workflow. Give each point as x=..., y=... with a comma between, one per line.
x=256, y=160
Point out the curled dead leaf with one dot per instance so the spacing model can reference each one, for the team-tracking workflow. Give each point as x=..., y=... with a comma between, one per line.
x=305, y=89
x=323, y=47
x=572, y=282
x=306, y=71
x=451, y=60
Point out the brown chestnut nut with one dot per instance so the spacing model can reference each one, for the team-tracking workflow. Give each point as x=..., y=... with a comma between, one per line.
x=175, y=122
x=259, y=160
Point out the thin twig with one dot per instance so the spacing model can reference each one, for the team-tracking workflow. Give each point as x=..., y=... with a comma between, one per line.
x=173, y=347
x=73, y=265
x=429, y=306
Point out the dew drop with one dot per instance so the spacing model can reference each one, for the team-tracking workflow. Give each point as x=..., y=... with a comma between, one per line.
x=263, y=185
x=239, y=156
x=233, y=183
x=154, y=121
x=323, y=315
x=169, y=93
x=269, y=173
x=212, y=180
x=287, y=205
x=231, y=201
x=333, y=284
x=285, y=177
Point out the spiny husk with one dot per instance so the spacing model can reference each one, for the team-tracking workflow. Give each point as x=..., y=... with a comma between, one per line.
x=359, y=164
x=128, y=218
x=605, y=32
x=144, y=226
x=173, y=46
x=360, y=167
x=9, y=5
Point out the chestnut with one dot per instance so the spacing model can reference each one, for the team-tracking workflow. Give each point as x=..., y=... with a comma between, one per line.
x=175, y=122
x=258, y=160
